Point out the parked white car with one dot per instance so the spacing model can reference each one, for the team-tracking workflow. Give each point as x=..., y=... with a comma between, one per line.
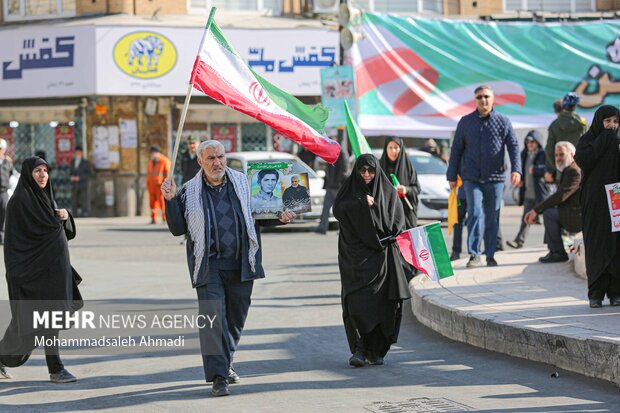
x=239, y=161
x=435, y=188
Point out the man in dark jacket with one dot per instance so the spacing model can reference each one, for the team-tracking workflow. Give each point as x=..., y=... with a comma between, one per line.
x=80, y=179
x=562, y=209
x=568, y=127
x=6, y=169
x=533, y=187
x=223, y=254
x=478, y=150
x=189, y=163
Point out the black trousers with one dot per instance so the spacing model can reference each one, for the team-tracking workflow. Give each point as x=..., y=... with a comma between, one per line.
x=328, y=202
x=553, y=231
x=224, y=289
x=52, y=355
x=80, y=199
x=606, y=284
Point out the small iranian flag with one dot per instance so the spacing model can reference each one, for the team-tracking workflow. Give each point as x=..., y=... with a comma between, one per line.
x=359, y=144
x=220, y=73
x=424, y=248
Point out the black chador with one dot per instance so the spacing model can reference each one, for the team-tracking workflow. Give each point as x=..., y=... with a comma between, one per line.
x=598, y=156
x=371, y=271
x=38, y=271
x=407, y=176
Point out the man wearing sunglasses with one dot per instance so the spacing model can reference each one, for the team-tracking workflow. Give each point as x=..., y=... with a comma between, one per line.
x=478, y=152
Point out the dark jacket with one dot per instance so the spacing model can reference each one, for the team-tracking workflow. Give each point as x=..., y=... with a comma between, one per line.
x=479, y=147
x=175, y=218
x=541, y=188
x=83, y=171
x=189, y=166
x=566, y=199
x=6, y=170
x=567, y=127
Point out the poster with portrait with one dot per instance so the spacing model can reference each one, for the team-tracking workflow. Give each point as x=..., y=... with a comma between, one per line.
x=613, y=201
x=296, y=193
x=265, y=180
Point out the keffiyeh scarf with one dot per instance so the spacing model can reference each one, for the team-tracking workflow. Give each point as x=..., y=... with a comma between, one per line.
x=195, y=216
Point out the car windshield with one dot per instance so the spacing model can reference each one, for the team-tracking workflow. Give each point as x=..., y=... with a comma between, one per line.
x=298, y=166
x=428, y=165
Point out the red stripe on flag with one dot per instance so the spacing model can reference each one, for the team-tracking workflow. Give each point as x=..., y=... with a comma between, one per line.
x=405, y=245
x=388, y=66
x=211, y=83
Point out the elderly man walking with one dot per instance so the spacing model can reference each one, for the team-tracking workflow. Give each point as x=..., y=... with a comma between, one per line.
x=562, y=209
x=223, y=252
x=478, y=150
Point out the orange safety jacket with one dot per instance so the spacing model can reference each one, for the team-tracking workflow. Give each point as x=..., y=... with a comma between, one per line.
x=156, y=173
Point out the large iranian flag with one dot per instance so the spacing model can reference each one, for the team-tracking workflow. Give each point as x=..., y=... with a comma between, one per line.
x=220, y=73
x=424, y=248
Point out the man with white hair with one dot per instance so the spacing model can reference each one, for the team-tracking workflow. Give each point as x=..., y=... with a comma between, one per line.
x=562, y=209
x=223, y=253
x=6, y=169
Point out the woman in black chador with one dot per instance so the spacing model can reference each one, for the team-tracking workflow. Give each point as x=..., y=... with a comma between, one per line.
x=371, y=271
x=38, y=271
x=598, y=156
x=395, y=161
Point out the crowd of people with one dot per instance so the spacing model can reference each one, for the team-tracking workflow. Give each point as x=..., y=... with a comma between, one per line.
x=564, y=182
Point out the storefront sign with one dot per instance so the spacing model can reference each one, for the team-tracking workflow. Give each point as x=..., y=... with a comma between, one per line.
x=47, y=62
x=146, y=61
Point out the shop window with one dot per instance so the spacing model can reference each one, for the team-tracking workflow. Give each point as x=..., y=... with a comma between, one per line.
x=272, y=7
x=400, y=6
x=43, y=139
x=550, y=5
x=37, y=9
x=254, y=137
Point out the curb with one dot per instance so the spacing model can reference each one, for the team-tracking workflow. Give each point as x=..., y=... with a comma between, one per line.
x=590, y=357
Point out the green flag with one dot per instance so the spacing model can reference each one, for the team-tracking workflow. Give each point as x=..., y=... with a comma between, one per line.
x=359, y=145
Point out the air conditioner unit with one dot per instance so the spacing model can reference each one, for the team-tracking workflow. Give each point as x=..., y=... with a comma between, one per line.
x=326, y=6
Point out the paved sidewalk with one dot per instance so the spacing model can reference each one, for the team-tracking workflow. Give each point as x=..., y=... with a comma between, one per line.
x=525, y=309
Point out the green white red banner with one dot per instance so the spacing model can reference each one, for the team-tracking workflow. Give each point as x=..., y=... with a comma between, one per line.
x=416, y=77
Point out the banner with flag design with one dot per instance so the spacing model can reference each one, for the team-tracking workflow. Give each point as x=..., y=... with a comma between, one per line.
x=416, y=76
x=425, y=248
x=220, y=73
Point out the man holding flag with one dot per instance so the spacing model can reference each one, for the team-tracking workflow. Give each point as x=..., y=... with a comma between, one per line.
x=223, y=253
x=213, y=208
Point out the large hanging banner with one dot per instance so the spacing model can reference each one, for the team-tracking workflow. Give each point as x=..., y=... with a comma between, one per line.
x=416, y=77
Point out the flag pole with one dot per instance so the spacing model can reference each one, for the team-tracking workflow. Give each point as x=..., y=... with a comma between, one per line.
x=188, y=96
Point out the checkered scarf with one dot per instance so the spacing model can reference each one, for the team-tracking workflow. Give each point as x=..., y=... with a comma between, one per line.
x=195, y=216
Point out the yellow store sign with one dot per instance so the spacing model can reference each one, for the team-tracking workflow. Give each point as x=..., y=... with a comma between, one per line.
x=145, y=55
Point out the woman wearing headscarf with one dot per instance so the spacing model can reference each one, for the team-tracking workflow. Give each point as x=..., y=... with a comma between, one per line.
x=38, y=271
x=395, y=161
x=598, y=156
x=373, y=281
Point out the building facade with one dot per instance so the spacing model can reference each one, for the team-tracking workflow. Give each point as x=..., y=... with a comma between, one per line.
x=111, y=75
